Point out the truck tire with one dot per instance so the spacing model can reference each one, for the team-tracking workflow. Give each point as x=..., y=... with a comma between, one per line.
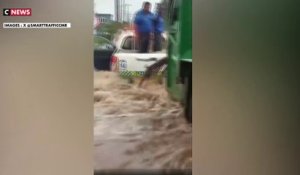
x=188, y=99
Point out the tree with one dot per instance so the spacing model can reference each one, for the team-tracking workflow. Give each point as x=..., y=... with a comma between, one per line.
x=108, y=30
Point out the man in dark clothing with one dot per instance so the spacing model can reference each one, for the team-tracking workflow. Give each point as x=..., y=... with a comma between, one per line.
x=144, y=27
x=158, y=30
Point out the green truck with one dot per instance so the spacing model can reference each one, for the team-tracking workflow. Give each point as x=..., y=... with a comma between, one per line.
x=179, y=70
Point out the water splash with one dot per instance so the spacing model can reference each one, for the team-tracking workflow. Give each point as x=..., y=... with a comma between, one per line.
x=138, y=128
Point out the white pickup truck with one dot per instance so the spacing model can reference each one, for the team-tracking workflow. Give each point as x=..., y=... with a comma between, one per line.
x=127, y=60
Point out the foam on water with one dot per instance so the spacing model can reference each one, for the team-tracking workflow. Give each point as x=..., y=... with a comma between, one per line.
x=142, y=127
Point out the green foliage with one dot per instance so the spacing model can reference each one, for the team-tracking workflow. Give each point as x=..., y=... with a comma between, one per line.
x=109, y=29
x=99, y=41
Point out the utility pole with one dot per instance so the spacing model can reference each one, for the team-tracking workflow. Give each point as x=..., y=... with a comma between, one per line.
x=123, y=11
x=120, y=10
x=126, y=12
x=117, y=10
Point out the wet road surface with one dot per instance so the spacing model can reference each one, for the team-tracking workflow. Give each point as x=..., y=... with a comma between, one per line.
x=138, y=128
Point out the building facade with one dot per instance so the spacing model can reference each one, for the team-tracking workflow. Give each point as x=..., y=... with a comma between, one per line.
x=100, y=19
x=104, y=18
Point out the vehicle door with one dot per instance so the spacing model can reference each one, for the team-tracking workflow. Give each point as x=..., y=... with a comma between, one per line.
x=131, y=60
x=103, y=50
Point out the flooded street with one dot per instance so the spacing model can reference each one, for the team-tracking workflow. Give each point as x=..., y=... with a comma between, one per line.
x=138, y=128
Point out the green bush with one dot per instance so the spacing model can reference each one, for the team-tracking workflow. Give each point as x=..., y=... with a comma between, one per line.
x=108, y=30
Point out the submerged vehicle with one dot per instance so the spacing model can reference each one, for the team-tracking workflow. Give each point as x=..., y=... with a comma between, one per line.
x=127, y=61
x=103, y=50
x=178, y=51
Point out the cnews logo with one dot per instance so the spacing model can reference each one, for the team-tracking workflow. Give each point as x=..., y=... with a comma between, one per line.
x=17, y=12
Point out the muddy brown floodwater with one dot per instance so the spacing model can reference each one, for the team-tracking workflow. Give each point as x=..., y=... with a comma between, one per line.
x=138, y=128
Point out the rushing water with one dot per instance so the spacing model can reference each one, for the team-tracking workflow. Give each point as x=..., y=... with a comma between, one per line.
x=138, y=128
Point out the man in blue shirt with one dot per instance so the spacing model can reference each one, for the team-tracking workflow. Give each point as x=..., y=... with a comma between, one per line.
x=144, y=27
x=158, y=30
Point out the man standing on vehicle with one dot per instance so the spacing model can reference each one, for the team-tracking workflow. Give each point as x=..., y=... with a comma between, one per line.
x=144, y=27
x=158, y=30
